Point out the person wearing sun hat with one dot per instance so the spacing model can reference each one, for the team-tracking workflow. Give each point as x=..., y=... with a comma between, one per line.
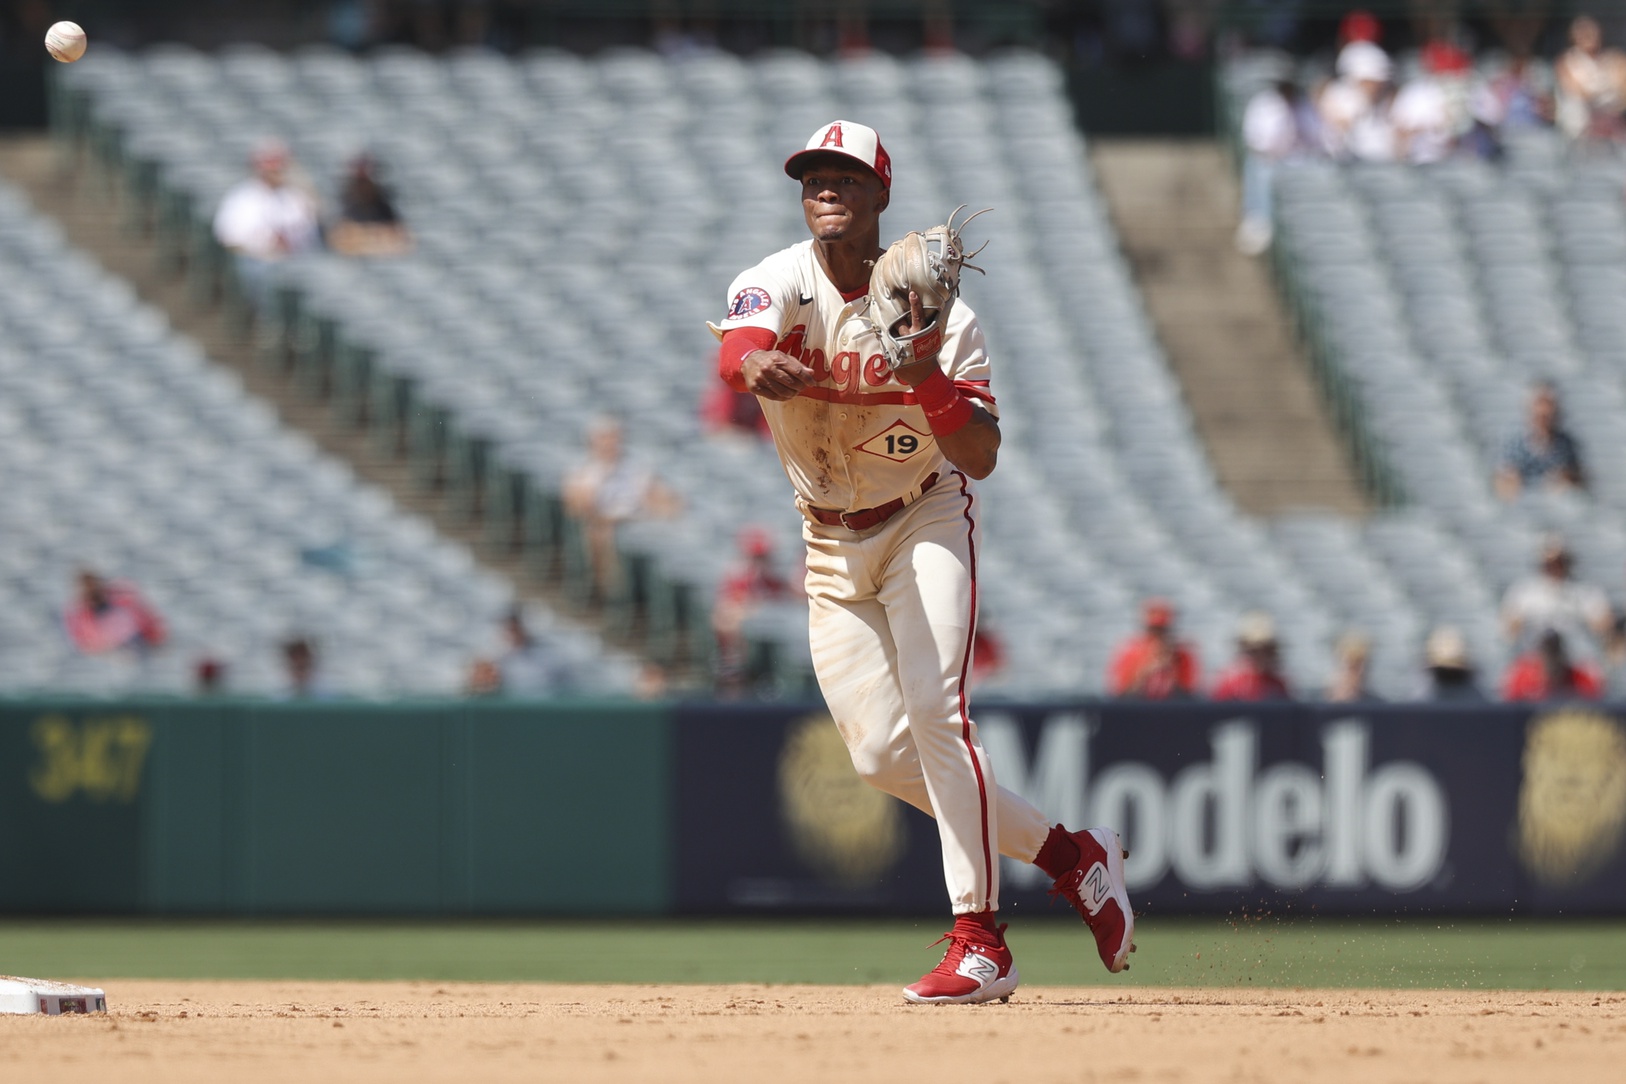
x=1256, y=673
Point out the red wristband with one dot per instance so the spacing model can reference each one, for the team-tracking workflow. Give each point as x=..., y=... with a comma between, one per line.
x=947, y=411
x=736, y=345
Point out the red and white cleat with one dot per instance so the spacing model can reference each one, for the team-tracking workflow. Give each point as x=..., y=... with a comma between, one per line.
x=971, y=972
x=1095, y=888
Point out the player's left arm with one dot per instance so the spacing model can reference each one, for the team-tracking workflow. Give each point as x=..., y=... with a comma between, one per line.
x=967, y=433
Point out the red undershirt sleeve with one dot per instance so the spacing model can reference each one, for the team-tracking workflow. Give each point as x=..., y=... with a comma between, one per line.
x=736, y=344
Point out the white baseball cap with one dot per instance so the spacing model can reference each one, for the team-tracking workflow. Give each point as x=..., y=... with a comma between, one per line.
x=846, y=138
x=1363, y=60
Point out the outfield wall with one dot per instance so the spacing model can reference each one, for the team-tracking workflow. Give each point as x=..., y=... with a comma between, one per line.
x=462, y=808
x=373, y=809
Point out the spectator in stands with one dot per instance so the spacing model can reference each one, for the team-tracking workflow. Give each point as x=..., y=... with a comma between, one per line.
x=484, y=678
x=1554, y=599
x=300, y=665
x=606, y=490
x=1256, y=673
x=988, y=654
x=1349, y=680
x=211, y=676
x=1514, y=98
x=1591, y=85
x=1359, y=25
x=1544, y=455
x=368, y=223
x=1431, y=111
x=652, y=682
x=110, y=615
x=518, y=664
x=726, y=412
x=1355, y=107
x=267, y=218
x=1449, y=673
x=1546, y=673
x=1154, y=664
x=752, y=583
x=1273, y=132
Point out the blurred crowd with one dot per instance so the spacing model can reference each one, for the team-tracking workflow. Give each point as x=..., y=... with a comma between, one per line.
x=1370, y=109
x=1567, y=642
x=1566, y=637
x=275, y=212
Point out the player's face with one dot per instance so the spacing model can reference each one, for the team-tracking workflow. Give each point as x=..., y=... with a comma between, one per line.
x=841, y=200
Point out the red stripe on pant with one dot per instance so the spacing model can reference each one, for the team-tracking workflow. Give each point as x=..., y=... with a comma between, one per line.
x=965, y=673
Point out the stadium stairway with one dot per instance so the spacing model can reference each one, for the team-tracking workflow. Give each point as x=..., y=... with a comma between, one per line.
x=1218, y=316
x=89, y=213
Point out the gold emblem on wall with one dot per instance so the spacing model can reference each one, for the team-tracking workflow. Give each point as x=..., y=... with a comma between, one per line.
x=848, y=831
x=1572, y=804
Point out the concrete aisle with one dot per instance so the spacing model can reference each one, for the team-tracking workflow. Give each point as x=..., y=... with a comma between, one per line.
x=1219, y=318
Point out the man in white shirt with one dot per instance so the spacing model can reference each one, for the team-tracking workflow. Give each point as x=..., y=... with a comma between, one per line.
x=1554, y=599
x=1270, y=134
x=1354, y=107
x=266, y=218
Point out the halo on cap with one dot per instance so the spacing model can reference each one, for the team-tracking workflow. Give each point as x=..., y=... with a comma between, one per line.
x=849, y=139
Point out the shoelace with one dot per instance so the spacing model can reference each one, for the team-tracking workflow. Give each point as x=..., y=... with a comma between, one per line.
x=1066, y=886
x=958, y=947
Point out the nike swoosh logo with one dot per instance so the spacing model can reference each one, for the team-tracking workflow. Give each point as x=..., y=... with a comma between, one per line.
x=807, y=301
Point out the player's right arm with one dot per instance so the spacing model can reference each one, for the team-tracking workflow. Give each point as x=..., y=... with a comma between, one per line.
x=747, y=360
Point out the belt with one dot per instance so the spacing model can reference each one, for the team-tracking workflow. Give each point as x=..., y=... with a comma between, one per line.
x=865, y=518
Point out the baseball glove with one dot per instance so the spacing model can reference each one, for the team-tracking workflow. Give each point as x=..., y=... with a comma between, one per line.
x=927, y=262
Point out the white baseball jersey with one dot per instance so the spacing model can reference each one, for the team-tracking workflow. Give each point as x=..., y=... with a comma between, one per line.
x=892, y=608
x=856, y=438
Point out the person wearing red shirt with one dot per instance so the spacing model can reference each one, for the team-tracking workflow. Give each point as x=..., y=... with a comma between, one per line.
x=1256, y=674
x=1153, y=665
x=1547, y=674
x=751, y=584
x=109, y=615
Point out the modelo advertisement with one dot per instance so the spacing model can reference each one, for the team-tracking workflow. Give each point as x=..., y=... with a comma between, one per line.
x=1285, y=808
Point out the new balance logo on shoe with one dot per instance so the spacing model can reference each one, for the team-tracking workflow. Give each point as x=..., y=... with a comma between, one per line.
x=970, y=973
x=1098, y=880
x=978, y=967
x=1096, y=888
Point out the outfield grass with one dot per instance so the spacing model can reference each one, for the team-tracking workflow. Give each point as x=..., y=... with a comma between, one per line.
x=1424, y=953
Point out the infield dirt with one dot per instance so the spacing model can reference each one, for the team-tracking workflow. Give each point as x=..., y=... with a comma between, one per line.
x=297, y=1032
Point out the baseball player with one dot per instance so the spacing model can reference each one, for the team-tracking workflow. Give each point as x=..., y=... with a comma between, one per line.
x=882, y=460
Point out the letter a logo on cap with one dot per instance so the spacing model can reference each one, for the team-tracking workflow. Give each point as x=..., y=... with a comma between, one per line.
x=832, y=139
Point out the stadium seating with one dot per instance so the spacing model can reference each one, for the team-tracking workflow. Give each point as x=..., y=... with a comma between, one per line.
x=1434, y=297
x=127, y=451
x=578, y=219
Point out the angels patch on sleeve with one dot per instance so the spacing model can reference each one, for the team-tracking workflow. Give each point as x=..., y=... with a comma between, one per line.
x=748, y=302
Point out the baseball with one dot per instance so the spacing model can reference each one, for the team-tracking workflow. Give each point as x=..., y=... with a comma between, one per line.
x=65, y=41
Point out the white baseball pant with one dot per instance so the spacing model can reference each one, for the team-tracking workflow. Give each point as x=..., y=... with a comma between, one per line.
x=892, y=615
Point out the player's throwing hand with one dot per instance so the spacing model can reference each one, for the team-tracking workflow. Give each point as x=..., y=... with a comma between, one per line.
x=775, y=375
